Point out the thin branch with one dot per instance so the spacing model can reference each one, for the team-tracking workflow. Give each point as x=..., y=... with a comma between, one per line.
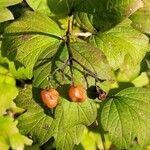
x=68, y=33
x=86, y=80
x=50, y=78
x=63, y=68
x=89, y=72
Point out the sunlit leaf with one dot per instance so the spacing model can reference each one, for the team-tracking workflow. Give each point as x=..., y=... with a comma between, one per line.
x=8, y=90
x=126, y=116
x=124, y=48
x=10, y=136
x=65, y=125
x=25, y=39
x=141, y=18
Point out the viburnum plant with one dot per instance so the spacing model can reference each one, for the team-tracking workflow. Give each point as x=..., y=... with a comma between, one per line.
x=74, y=74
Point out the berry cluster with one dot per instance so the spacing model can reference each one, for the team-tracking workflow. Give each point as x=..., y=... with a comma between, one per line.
x=76, y=93
x=50, y=96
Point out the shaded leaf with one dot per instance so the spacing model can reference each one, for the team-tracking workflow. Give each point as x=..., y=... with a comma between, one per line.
x=49, y=66
x=103, y=15
x=57, y=8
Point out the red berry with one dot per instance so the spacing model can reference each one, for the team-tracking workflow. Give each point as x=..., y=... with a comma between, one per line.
x=77, y=93
x=50, y=97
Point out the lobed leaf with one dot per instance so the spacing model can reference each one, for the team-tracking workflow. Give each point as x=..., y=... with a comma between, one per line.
x=126, y=117
x=7, y=3
x=7, y=83
x=141, y=18
x=5, y=14
x=124, y=48
x=93, y=59
x=53, y=64
x=103, y=15
x=25, y=39
x=10, y=136
x=65, y=125
x=55, y=8
x=48, y=67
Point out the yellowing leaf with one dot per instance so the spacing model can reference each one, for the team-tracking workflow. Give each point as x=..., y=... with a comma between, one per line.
x=8, y=90
x=10, y=136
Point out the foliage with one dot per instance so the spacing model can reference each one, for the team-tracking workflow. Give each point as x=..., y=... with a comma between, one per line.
x=10, y=135
x=4, y=11
x=102, y=45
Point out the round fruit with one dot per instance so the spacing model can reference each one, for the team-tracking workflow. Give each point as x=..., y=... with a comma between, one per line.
x=50, y=97
x=77, y=93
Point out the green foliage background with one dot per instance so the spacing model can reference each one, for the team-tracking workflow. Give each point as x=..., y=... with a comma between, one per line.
x=109, y=41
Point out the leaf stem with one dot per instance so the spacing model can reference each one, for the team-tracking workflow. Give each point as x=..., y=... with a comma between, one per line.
x=68, y=33
x=71, y=59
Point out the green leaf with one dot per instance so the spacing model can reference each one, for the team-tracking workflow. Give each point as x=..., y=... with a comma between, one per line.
x=102, y=15
x=129, y=72
x=57, y=8
x=141, y=80
x=5, y=15
x=49, y=66
x=19, y=73
x=33, y=147
x=126, y=116
x=88, y=141
x=65, y=125
x=36, y=122
x=10, y=136
x=51, y=63
x=40, y=6
x=93, y=59
x=124, y=48
x=25, y=39
x=86, y=21
x=141, y=18
x=6, y=3
x=8, y=90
